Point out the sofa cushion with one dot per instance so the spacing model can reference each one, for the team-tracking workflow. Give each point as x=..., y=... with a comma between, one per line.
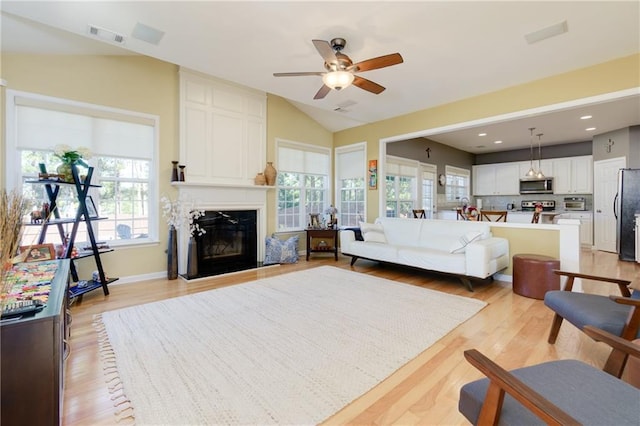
x=374, y=251
x=372, y=232
x=400, y=231
x=432, y=259
x=460, y=245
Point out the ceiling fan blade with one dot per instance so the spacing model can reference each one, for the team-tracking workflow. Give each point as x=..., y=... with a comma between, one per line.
x=326, y=51
x=368, y=85
x=322, y=92
x=379, y=62
x=295, y=74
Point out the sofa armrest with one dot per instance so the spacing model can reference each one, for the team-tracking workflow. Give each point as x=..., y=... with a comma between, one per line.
x=347, y=236
x=486, y=257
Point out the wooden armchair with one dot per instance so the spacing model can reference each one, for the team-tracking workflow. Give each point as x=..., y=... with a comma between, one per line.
x=618, y=315
x=563, y=392
x=419, y=214
x=536, y=217
x=493, y=215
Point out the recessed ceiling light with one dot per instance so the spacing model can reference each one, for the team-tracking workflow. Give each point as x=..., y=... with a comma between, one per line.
x=146, y=33
x=590, y=129
x=497, y=141
x=585, y=117
x=482, y=134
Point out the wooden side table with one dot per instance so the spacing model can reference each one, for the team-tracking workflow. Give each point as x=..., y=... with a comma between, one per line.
x=322, y=240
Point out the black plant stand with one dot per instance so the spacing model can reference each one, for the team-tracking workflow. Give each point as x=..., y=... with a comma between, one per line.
x=52, y=188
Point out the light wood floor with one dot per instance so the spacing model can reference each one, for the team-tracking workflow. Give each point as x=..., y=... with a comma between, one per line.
x=512, y=330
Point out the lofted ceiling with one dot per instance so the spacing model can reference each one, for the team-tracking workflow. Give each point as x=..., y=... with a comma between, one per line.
x=452, y=50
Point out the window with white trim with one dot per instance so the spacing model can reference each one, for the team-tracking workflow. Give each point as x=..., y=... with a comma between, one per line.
x=303, y=183
x=350, y=182
x=458, y=183
x=123, y=146
x=401, y=186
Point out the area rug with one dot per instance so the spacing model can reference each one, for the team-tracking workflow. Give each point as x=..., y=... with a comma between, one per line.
x=291, y=349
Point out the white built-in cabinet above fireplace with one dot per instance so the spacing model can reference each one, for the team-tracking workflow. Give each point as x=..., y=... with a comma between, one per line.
x=222, y=130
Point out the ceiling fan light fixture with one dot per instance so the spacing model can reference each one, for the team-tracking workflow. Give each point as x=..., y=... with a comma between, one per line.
x=338, y=80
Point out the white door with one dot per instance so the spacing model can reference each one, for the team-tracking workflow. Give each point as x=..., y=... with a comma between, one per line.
x=604, y=191
x=428, y=189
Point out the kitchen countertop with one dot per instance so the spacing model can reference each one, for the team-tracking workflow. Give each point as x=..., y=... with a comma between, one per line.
x=549, y=212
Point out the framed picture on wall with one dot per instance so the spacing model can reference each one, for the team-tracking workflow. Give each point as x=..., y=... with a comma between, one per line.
x=373, y=174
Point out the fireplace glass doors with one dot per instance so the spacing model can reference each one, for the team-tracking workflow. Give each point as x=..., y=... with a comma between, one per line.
x=229, y=243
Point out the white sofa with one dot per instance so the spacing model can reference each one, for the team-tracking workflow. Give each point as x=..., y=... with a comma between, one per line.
x=462, y=248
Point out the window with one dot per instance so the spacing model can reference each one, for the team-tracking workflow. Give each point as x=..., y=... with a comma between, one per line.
x=303, y=183
x=123, y=146
x=350, y=179
x=457, y=183
x=401, y=187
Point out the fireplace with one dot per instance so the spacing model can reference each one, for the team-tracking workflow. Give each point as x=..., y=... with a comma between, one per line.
x=224, y=198
x=229, y=243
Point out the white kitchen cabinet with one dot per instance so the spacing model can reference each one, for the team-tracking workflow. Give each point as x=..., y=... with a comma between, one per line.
x=573, y=175
x=586, y=226
x=496, y=179
x=519, y=217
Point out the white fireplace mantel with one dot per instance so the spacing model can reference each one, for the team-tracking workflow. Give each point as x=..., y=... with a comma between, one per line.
x=221, y=185
x=224, y=197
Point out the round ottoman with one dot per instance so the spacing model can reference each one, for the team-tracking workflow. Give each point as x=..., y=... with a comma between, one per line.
x=533, y=275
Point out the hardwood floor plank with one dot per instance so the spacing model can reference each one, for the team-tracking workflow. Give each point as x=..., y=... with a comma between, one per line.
x=512, y=330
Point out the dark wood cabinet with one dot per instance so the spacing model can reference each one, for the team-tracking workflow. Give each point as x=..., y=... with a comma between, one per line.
x=33, y=350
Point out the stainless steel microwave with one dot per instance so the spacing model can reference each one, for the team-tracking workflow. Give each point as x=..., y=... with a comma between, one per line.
x=536, y=186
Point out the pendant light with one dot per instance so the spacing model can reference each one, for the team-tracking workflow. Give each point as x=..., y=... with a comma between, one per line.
x=532, y=172
x=539, y=175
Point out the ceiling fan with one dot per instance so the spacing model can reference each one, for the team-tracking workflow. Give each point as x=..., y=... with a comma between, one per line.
x=341, y=69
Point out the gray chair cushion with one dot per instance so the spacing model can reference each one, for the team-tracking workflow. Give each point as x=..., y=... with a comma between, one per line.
x=582, y=309
x=587, y=394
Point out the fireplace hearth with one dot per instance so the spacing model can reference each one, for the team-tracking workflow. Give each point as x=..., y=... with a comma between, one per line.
x=229, y=243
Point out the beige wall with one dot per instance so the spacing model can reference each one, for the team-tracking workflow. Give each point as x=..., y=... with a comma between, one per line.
x=151, y=86
x=620, y=74
x=284, y=121
x=545, y=242
x=128, y=82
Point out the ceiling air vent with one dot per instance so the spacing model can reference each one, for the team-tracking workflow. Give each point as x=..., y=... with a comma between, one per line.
x=106, y=35
x=342, y=106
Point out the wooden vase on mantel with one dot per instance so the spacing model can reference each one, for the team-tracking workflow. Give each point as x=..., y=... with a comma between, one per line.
x=270, y=174
x=260, y=179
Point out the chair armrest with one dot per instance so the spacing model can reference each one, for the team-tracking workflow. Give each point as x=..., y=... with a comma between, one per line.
x=625, y=300
x=502, y=381
x=347, y=236
x=623, y=285
x=612, y=340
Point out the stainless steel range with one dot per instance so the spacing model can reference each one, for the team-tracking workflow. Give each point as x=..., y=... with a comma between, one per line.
x=530, y=205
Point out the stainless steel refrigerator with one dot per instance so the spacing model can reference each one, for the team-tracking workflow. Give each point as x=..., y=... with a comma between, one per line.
x=625, y=206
